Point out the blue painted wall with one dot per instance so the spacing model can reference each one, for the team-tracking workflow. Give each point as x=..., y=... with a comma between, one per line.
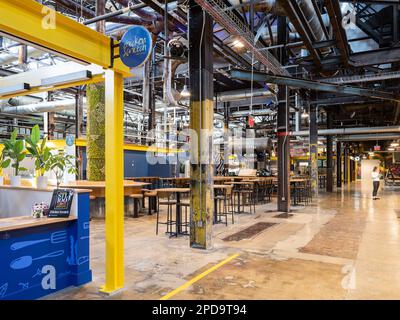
x=136, y=165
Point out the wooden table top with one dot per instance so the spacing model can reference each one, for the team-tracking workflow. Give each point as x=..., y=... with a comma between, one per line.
x=101, y=184
x=15, y=223
x=142, y=178
x=239, y=182
x=299, y=179
x=173, y=190
x=222, y=186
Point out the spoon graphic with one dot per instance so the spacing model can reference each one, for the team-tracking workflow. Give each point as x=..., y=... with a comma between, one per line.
x=26, y=261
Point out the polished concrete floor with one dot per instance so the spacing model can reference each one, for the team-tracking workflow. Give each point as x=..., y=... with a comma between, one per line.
x=343, y=246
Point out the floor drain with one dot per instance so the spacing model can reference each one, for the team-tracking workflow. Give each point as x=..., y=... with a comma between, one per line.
x=249, y=232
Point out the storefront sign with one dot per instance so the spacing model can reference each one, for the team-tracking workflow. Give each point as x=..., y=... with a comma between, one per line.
x=61, y=202
x=135, y=46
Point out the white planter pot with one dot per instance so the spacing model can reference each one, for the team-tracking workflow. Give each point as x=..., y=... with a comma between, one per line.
x=41, y=182
x=1, y=180
x=15, y=181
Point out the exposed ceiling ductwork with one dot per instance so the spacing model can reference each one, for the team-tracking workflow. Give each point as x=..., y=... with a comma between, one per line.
x=48, y=106
x=347, y=131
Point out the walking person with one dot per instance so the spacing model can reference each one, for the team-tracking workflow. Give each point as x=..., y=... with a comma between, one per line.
x=375, y=175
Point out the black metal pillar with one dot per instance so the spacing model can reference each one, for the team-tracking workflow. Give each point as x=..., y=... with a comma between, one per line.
x=339, y=164
x=314, y=149
x=346, y=164
x=283, y=150
x=201, y=122
x=329, y=156
x=283, y=129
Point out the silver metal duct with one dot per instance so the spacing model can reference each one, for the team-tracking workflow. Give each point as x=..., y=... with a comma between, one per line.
x=239, y=114
x=243, y=95
x=49, y=106
x=6, y=58
x=349, y=131
x=369, y=137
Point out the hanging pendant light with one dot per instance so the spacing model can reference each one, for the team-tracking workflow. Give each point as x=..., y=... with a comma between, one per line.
x=185, y=93
x=304, y=115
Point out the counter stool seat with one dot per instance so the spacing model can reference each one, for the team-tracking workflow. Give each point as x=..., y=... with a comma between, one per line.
x=136, y=198
x=152, y=195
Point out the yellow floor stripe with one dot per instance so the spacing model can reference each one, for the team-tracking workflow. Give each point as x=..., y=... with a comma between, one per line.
x=198, y=277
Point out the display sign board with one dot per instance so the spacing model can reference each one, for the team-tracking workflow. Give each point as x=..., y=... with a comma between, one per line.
x=135, y=46
x=60, y=206
x=70, y=140
x=377, y=148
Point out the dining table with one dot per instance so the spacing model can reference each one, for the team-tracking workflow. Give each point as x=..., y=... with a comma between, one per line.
x=98, y=188
x=177, y=192
x=98, y=193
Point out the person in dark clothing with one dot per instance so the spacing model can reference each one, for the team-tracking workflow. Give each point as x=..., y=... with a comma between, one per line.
x=375, y=180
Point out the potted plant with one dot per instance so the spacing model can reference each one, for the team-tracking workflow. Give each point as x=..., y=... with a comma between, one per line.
x=14, y=150
x=60, y=163
x=4, y=163
x=41, y=153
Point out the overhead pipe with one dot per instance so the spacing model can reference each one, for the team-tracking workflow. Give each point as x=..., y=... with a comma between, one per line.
x=347, y=131
x=369, y=137
x=48, y=106
x=243, y=95
x=89, y=14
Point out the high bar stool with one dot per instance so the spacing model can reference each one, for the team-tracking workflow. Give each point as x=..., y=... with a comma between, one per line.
x=248, y=196
x=224, y=201
x=170, y=203
x=137, y=197
x=185, y=210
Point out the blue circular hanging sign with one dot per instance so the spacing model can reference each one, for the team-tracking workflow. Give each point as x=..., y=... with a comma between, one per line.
x=135, y=46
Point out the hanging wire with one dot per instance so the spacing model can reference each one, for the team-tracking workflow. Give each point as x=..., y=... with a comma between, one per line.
x=81, y=18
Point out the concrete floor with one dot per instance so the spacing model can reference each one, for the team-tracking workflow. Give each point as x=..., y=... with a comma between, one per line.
x=343, y=246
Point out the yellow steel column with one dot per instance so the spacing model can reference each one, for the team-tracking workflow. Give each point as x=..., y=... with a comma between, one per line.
x=114, y=182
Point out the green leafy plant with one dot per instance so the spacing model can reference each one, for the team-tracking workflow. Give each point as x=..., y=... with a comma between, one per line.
x=4, y=163
x=14, y=151
x=40, y=152
x=60, y=163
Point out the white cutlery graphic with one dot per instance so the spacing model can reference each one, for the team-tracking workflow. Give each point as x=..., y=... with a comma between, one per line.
x=56, y=237
x=26, y=261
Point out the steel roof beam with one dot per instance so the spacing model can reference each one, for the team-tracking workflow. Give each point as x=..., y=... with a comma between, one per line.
x=312, y=85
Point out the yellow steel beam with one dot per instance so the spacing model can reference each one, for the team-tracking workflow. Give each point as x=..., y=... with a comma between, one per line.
x=114, y=182
x=35, y=77
x=33, y=23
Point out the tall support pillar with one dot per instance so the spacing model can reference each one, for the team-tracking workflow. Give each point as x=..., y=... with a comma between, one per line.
x=314, y=149
x=329, y=156
x=283, y=124
x=114, y=111
x=79, y=114
x=201, y=123
x=346, y=164
x=339, y=164
x=283, y=150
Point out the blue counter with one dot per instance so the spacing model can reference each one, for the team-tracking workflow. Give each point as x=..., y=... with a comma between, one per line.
x=41, y=256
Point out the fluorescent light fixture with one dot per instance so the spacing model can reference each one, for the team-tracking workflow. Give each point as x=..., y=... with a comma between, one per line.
x=66, y=78
x=238, y=44
x=185, y=92
x=394, y=144
x=304, y=115
x=390, y=149
x=18, y=88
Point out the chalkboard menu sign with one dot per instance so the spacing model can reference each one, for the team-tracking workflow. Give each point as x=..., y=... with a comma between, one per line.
x=61, y=202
